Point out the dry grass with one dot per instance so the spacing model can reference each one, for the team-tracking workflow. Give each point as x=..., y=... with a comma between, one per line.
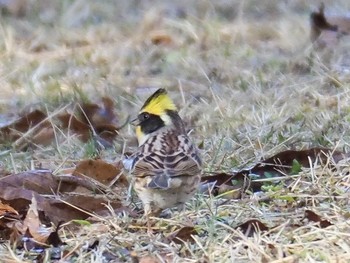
x=248, y=83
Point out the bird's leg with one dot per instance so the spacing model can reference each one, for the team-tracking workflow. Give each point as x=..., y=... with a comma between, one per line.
x=181, y=207
x=149, y=212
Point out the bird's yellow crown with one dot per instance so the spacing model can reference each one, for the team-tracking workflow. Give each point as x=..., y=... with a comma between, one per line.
x=158, y=103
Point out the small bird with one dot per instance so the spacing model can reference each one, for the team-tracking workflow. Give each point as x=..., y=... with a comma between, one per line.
x=166, y=167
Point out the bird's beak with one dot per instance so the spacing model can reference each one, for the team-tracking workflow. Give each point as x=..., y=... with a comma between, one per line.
x=135, y=122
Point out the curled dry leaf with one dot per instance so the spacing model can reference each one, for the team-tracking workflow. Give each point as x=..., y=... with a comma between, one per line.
x=106, y=133
x=7, y=213
x=44, y=136
x=281, y=164
x=93, y=204
x=54, y=238
x=39, y=181
x=70, y=122
x=99, y=122
x=312, y=216
x=232, y=184
x=160, y=38
x=18, y=190
x=25, y=122
x=15, y=130
x=143, y=259
x=98, y=115
x=31, y=228
x=100, y=171
x=7, y=210
x=93, y=121
x=148, y=259
x=81, y=207
x=252, y=226
x=183, y=234
x=32, y=224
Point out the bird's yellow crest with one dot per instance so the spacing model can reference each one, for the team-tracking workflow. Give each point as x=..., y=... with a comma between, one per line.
x=158, y=103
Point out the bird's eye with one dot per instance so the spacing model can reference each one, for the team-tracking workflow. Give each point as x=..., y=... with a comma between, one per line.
x=145, y=116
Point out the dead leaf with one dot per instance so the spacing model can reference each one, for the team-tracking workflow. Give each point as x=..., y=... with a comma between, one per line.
x=7, y=214
x=39, y=181
x=15, y=130
x=44, y=136
x=31, y=232
x=160, y=38
x=312, y=216
x=183, y=234
x=70, y=122
x=96, y=115
x=54, y=238
x=232, y=184
x=91, y=204
x=80, y=207
x=31, y=228
x=25, y=122
x=252, y=226
x=100, y=171
x=93, y=121
x=93, y=246
x=219, y=178
x=148, y=259
x=32, y=224
x=19, y=198
x=108, y=132
x=282, y=163
x=144, y=259
x=6, y=209
x=18, y=190
x=73, y=206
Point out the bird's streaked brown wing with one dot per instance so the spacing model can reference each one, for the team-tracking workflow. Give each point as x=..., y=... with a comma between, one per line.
x=178, y=157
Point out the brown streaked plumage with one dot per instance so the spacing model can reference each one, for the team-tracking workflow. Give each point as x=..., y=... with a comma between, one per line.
x=166, y=167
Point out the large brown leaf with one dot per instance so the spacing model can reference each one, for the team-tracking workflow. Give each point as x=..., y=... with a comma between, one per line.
x=78, y=127
x=7, y=213
x=312, y=216
x=39, y=181
x=252, y=226
x=231, y=184
x=182, y=235
x=93, y=121
x=16, y=129
x=100, y=171
x=51, y=195
x=99, y=114
x=280, y=164
x=77, y=206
